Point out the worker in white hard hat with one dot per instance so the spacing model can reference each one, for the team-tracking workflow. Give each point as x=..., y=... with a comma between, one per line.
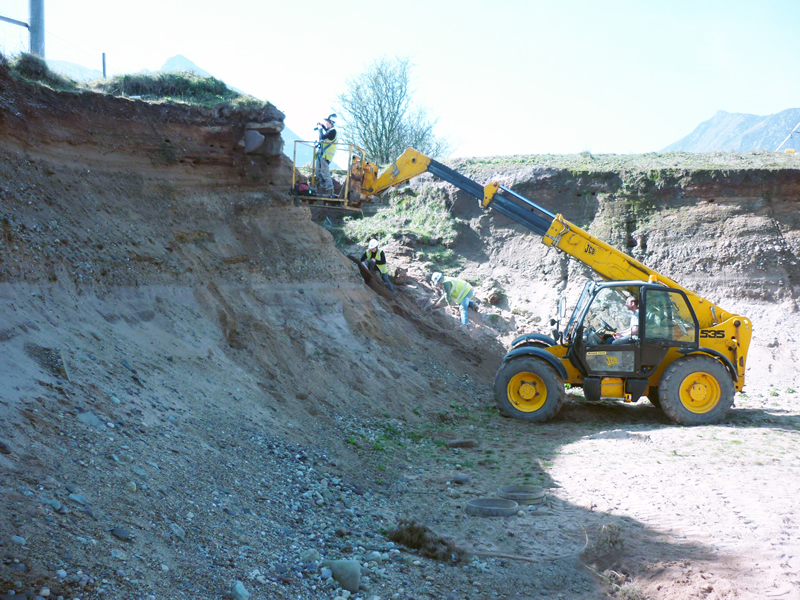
x=374, y=259
x=456, y=290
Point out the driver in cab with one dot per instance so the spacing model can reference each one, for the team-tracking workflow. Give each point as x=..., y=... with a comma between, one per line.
x=626, y=335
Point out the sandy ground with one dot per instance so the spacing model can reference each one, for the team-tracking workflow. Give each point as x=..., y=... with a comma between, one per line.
x=662, y=511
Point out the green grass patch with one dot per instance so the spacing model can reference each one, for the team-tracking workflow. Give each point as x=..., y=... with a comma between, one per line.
x=183, y=87
x=494, y=319
x=423, y=216
x=390, y=431
x=439, y=258
x=33, y=69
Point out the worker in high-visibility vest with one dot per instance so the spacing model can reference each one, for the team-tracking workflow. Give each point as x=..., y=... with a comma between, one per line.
x=457, y=291
x=375, y=259
x=325, y=151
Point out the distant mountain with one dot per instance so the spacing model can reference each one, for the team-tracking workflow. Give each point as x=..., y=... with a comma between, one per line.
x=737, y=132
x=81, y=73
x=305, y=153
x=181, y=63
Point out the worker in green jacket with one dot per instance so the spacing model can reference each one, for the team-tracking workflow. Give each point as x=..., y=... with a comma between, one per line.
x=456, y=290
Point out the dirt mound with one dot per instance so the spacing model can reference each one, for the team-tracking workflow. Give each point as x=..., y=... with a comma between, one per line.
x=165, y=305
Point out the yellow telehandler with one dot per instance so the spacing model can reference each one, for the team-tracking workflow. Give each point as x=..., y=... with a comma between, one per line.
x=682, y=351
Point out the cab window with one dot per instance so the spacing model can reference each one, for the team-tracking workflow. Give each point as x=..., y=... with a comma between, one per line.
x=668, y=318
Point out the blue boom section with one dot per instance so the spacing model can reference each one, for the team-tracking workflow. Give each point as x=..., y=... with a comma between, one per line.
x=512, y=205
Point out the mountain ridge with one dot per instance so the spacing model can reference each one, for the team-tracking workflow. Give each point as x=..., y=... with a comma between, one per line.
x=742, y=132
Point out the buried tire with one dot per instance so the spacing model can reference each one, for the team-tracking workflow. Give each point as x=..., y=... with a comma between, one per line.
x=529, y=389
x=696, y=390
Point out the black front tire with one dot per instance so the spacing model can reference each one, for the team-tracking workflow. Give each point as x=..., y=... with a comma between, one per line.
x=652, y=396
x=696, y=390
x=528, y=389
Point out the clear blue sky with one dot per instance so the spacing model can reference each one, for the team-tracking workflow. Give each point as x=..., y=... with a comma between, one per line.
x=502, y=76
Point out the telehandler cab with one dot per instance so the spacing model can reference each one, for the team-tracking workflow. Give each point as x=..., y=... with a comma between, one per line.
x=686, y=354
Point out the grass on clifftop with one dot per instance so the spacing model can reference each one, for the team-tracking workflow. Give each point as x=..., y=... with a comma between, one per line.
x=182, y=87
x=588, y=163
x=33, y=69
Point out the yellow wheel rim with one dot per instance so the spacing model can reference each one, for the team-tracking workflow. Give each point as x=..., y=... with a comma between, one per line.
x=700, y=392
x=527, y=392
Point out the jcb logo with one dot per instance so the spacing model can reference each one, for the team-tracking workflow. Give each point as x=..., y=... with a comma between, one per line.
x=712, y=333
x=590, y=249
x=611, y=361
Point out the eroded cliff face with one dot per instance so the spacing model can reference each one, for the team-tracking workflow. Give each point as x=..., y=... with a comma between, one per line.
x=163, y=303
x=731, y=231
x=144, y=232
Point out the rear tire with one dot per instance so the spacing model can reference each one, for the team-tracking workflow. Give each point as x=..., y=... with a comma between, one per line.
x=528, y=389
x=696, y=390
x=652, y=396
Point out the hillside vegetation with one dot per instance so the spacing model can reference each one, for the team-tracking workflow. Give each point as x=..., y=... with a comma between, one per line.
x=181, y=87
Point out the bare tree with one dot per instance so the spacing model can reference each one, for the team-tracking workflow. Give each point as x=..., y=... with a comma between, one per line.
x=381, y=117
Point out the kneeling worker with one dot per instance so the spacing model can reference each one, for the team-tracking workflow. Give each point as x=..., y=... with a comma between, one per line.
x=457, y=290
x=373, y=259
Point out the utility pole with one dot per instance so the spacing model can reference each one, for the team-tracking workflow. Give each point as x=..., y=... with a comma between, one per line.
x=36, y=27
x=14, y=21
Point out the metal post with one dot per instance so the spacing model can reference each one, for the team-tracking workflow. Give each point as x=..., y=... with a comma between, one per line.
x=104, y=65
x=36, y=28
